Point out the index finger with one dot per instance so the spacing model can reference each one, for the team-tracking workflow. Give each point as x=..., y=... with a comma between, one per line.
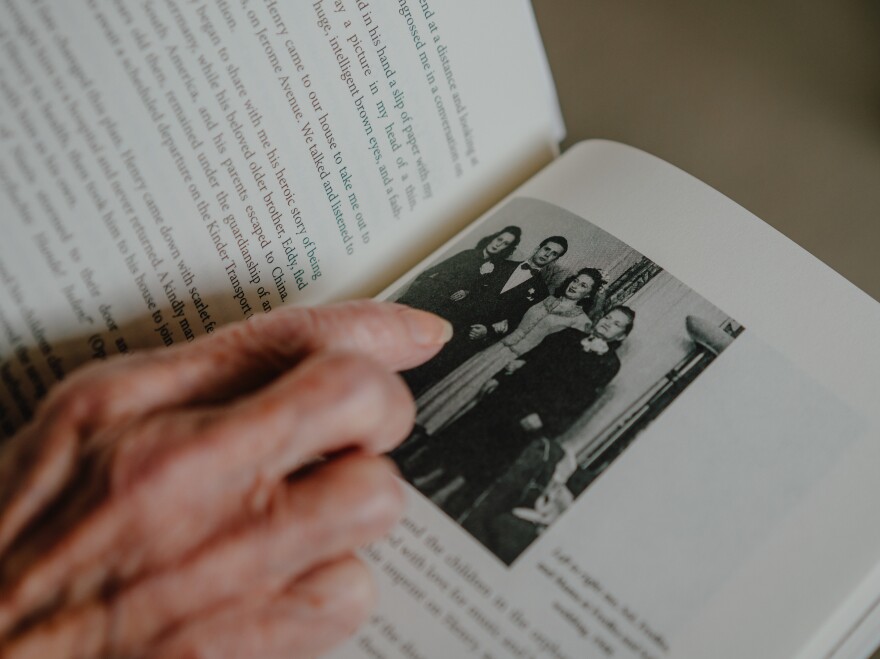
x=242, y=356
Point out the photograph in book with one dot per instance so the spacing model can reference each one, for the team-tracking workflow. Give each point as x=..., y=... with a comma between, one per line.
x=567, y=344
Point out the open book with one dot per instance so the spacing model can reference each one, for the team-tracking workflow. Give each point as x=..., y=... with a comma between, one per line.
x=655, y=431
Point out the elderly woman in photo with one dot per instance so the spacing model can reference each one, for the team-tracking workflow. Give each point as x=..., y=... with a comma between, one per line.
x=441, y=287
x=460, y=390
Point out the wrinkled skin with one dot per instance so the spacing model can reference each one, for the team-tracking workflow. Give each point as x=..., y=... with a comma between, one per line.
x=205, y=500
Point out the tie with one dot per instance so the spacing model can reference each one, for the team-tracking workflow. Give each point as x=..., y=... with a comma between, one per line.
x=526, y=266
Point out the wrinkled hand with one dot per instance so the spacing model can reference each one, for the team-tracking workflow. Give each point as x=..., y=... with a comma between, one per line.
x=500, y=327
x=514, y=366
x=531, y=422
x=554, y=501
x=490, y=386
x=477, y=332
x=157, y=505
x=458, y=296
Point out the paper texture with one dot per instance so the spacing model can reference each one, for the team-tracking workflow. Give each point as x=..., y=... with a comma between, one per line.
x=729, y=525
x=171, y=166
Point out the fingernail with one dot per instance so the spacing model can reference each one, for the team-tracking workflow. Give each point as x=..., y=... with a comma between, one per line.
x=426, y=328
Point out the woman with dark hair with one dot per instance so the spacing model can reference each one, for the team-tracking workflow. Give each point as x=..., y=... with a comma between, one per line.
x=442, y=287
x=460, y=390
x=588, y=300
x=500, y=246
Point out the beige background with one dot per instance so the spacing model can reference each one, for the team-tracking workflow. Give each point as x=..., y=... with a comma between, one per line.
x=776, y=104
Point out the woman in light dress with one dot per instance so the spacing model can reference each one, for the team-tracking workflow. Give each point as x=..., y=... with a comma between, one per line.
x=455, y=394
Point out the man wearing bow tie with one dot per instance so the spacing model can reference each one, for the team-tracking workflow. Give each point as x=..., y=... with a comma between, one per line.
x=506, y=294
x=495, y=307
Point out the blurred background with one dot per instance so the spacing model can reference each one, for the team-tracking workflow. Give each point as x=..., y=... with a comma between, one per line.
x=775, y=104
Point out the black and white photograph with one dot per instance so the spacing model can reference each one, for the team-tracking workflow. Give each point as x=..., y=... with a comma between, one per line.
x=567, y=344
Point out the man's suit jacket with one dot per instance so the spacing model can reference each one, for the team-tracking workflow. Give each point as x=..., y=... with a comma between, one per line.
x=489, y=305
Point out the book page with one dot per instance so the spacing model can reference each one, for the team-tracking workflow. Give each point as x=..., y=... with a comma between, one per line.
x=167, y=166
x=653, y=435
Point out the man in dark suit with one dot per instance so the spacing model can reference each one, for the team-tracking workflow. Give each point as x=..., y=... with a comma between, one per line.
x=502, y=299
x=494, y=308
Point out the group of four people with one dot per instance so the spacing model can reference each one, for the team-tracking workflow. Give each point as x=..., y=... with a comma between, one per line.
x=524, y=362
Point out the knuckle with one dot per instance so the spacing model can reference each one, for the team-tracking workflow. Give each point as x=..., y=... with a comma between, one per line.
x=362, y=594
x=188, y=648
x=346, y=503
x=379, y=496
x=141, y=451
x=88, y=397
x=372, y=394
x=301, y=323
x=362, y=377
x=315, y=328
x=273, y=339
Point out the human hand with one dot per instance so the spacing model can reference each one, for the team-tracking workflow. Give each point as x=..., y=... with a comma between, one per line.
x=554, y=501
x=458, y=296
x=531, y=422
x=490, y=386
x=150, y=509
x=477, y=332
x=514, y=366
x=500, y=327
